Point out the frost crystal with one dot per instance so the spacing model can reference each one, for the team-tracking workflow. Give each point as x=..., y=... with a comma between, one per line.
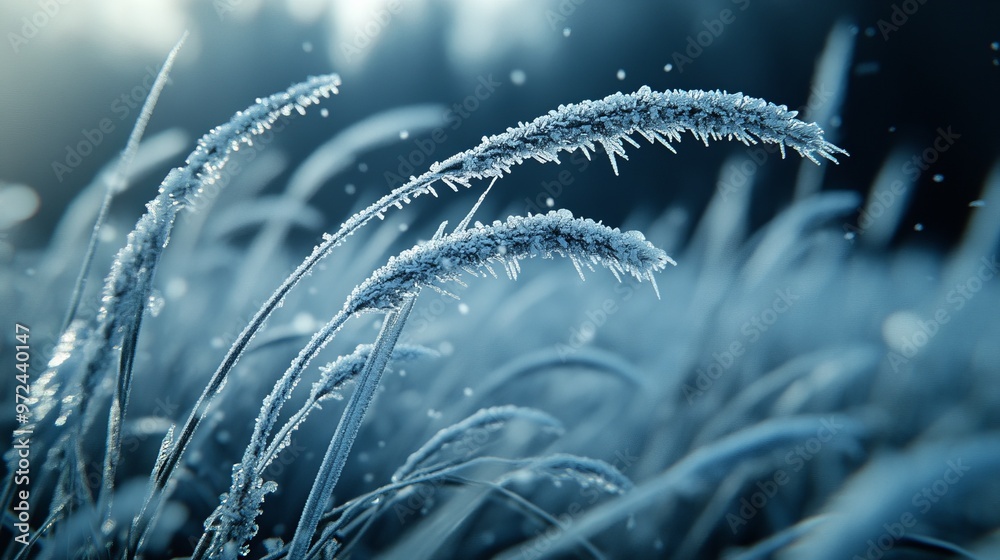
x=584, y=241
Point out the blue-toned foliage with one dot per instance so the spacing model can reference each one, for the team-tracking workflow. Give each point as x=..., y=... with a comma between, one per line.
x=736, y=415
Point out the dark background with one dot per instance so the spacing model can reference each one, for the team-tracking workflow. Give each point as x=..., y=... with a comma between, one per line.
x=937, y=70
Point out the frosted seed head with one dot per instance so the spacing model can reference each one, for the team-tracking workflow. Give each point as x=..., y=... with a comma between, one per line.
x=556, y=233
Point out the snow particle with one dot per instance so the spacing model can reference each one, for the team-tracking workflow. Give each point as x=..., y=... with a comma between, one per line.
x=17, y=203
x=304, y=322
x=175, y=288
